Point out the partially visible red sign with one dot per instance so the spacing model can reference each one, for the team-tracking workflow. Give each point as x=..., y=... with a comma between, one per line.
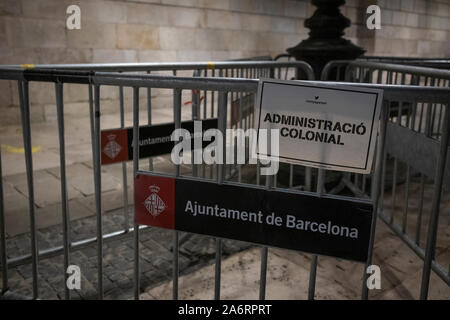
x=154, y=200
x=114, y=146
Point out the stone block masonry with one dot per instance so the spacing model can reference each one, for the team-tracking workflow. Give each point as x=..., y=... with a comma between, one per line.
x=191, y=30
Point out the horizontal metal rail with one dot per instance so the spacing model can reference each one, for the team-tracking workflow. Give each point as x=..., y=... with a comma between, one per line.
x=391, y=92
x=405, y=69
x=412, y=61
x=373, y=65
x=168, y=66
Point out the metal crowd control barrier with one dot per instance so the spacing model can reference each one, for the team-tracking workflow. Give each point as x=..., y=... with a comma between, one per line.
x=225, y=88
x=414, y=126
x=81, y=74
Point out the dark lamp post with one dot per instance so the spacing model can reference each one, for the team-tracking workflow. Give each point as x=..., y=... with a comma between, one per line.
x=325, y=42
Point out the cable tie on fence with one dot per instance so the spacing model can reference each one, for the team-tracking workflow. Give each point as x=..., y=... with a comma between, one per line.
x=210, y=65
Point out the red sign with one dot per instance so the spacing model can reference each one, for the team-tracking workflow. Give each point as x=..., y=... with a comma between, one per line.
x=297, y=221
x=154, y=140
x=154, y=199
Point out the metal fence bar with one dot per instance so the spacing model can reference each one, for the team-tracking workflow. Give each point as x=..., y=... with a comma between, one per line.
x=135, y=169
x=222, y=117
x=92, y=124
x=124, y=164
x=149, y=119
x=175, y=270
x=419, y=217
x=170, y=66
x=205, y=99
x=213, y=74
x=218, y=269
x=314, y=258
x=263, y=275
x=264, y=256
x=25, y=113
x=376, y=192
x=195, y=115
x=64, y=196
x=98, y=190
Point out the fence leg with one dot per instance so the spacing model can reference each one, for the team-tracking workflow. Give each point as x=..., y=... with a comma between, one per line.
x=376, y=192
x=434, y=216
x=25, y=113
x=264, y=255
x=217, y=269
x=270, y=181
x=149, y=119
x=126, y=223
x=98, y=189
x=222, y=117
x=177, y=121
x=64, y=198
x=135, y=169
x=263, y=276
x=313, y=269
x=312, y=278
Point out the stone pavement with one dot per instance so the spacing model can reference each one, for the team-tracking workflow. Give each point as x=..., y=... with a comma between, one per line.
x=288, y=276
x=118, y=255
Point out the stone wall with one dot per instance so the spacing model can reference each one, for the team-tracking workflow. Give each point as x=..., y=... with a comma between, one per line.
x=409, y=28
x=34, y=31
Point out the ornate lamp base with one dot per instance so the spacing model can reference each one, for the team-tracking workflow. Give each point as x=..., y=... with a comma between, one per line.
x=325, y=42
